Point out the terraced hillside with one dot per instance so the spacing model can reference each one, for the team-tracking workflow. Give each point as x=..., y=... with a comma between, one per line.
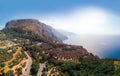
x=12, y=58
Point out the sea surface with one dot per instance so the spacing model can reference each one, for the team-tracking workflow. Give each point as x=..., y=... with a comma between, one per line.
x=105, y=46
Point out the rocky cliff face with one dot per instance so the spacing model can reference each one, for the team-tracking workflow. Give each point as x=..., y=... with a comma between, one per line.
x=36, y=27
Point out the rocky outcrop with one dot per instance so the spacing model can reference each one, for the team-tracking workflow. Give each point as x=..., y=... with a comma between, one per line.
x=36, y=27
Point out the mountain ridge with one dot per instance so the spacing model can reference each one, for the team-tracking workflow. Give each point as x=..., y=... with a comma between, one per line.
x=39, y=28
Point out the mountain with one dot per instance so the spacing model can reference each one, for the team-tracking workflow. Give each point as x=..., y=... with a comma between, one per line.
x=35, y=27
x=44, y=46
x=34, y=30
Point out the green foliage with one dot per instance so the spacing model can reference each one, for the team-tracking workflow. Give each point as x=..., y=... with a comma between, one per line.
x=2, y=65
x=9, y=73
x=20, y=33
x=44, y=57
x=34, y=68
x=19, y=71
x=5, y=55
x=85, y=67
x=117, y=70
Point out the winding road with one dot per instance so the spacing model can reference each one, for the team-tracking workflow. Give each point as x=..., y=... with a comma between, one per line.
x=28, y=65
x=40, y=71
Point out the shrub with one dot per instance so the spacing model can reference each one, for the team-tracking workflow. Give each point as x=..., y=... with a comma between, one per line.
x=2, y=65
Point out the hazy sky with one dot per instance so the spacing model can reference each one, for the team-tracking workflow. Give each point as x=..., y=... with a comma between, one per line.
x=78, y=16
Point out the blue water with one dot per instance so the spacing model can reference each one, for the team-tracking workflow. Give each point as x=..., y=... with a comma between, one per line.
x=105, y=46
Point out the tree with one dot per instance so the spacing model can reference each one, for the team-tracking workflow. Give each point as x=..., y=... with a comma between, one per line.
x=34, y=69
x=2, y=65
x=19, y=71
x=9, y=73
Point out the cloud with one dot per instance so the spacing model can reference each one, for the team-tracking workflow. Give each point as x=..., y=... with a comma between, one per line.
x=85, y=20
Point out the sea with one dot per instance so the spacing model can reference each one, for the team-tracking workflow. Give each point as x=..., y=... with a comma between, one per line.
x=104, y=46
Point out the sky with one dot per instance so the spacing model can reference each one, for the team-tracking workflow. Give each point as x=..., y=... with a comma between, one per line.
x=77, y=16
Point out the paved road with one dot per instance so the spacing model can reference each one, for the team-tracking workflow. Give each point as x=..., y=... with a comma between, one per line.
x=28, y=66
x=40, y=71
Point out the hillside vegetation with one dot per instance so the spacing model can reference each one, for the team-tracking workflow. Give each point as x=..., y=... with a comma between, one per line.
x=12, y=58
